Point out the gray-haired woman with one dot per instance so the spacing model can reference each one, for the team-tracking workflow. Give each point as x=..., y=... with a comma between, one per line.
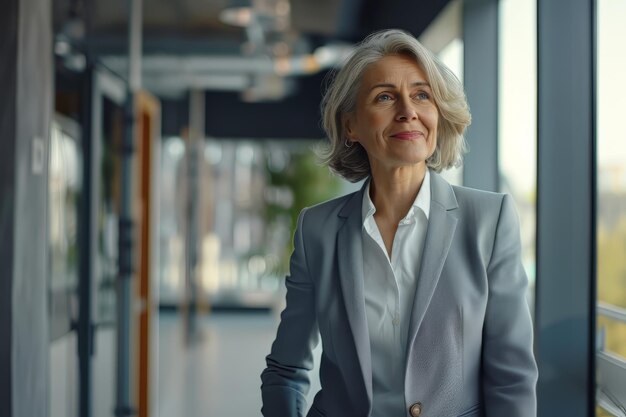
x=415, y=286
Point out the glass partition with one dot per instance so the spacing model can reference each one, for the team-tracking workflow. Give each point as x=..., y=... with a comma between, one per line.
x=64, y=193
x=249, y=196
x=107, y=124
x=611, y=209
x=452, y=56
x=517, y=120
x=65, y=190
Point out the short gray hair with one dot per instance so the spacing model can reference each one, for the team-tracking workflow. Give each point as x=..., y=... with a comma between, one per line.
x=340, y=98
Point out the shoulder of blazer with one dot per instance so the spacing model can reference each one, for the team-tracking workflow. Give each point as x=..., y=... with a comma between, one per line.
x=327, y=217
x=479, y=215
x=461, y=199
x=471, y=198
x=333, y=204
x=337, y=207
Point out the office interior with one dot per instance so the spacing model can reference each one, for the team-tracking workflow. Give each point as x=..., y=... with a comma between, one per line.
x=156, y=154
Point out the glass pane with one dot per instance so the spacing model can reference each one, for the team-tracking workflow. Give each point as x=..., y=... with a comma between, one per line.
x=452, y=56
x=63, y=377
x=64, y=194
x=611, y=153
x=65, y=176
x=171, y=237
x=249, y=194
x=611, y=186
x=106, y=262
x=517, y=120
x=108, y=212
x=614, y=335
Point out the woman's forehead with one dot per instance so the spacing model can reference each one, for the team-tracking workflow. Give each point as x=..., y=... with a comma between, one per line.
x=392, y=69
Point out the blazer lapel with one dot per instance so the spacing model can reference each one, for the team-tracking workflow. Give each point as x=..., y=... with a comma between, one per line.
x=441, y=227
x=350, y=260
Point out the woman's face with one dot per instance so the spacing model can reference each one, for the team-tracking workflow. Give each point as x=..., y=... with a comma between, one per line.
x=395, y=119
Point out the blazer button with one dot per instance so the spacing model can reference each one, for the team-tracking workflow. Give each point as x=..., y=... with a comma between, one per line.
x=416, y=410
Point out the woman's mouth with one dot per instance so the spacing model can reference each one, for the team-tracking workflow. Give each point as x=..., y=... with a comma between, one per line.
x=408, y=135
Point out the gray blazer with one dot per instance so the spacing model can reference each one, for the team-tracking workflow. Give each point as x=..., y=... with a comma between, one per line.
x=470, y=334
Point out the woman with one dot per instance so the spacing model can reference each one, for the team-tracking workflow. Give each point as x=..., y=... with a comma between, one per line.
x=415, y=286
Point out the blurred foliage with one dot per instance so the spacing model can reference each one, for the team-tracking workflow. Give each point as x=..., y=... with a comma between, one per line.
x=309, y=183
x=612, y=281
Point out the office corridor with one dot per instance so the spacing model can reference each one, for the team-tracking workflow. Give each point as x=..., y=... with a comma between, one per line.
x=157, y=156
x=218, y=374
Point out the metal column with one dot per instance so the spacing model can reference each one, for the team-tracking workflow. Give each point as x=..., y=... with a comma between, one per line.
x=194, y=151
x=565, y=208
x=123, y=405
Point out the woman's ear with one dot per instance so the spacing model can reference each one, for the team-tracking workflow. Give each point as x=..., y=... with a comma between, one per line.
x=347, y=122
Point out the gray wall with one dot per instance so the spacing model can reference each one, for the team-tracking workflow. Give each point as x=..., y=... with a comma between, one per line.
x=25, y=110
x=480, y=67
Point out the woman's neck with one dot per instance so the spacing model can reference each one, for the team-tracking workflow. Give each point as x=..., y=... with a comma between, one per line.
x=394, y=191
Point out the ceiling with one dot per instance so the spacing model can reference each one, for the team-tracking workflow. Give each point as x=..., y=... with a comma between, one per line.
x=195, y=24
x=283, y=52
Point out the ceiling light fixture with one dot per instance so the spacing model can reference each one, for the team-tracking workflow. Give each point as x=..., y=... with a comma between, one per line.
x=238, y=13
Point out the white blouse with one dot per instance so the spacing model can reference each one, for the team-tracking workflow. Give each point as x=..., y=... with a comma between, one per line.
x=389, y=292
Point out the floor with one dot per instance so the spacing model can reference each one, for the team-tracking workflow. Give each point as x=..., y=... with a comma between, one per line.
x=217, y=374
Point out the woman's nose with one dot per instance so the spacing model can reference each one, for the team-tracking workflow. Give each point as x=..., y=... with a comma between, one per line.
x=406, y=110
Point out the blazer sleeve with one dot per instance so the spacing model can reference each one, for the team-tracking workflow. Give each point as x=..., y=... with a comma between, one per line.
x=509, y=368
x=285, y=380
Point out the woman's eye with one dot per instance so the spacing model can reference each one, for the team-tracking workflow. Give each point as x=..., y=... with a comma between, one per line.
x=423, y=96
x=384, y=97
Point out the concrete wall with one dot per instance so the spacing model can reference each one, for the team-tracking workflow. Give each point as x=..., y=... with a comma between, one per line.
x=25, y=110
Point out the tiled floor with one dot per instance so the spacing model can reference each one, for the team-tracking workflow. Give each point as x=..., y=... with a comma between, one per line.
x=218, y=374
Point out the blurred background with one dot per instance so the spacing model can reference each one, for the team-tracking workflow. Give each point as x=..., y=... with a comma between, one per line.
x=156, y=155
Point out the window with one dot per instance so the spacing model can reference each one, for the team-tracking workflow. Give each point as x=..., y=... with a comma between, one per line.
x=517, y=119
x=611, y=208
x=444, y=38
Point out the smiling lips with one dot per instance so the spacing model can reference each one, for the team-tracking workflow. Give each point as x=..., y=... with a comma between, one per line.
x=413, y=134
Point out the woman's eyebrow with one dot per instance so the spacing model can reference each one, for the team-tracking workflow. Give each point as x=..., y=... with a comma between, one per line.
x=389, y=85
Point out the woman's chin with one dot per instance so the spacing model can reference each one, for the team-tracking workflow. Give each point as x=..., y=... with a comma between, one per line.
x=411, y=159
